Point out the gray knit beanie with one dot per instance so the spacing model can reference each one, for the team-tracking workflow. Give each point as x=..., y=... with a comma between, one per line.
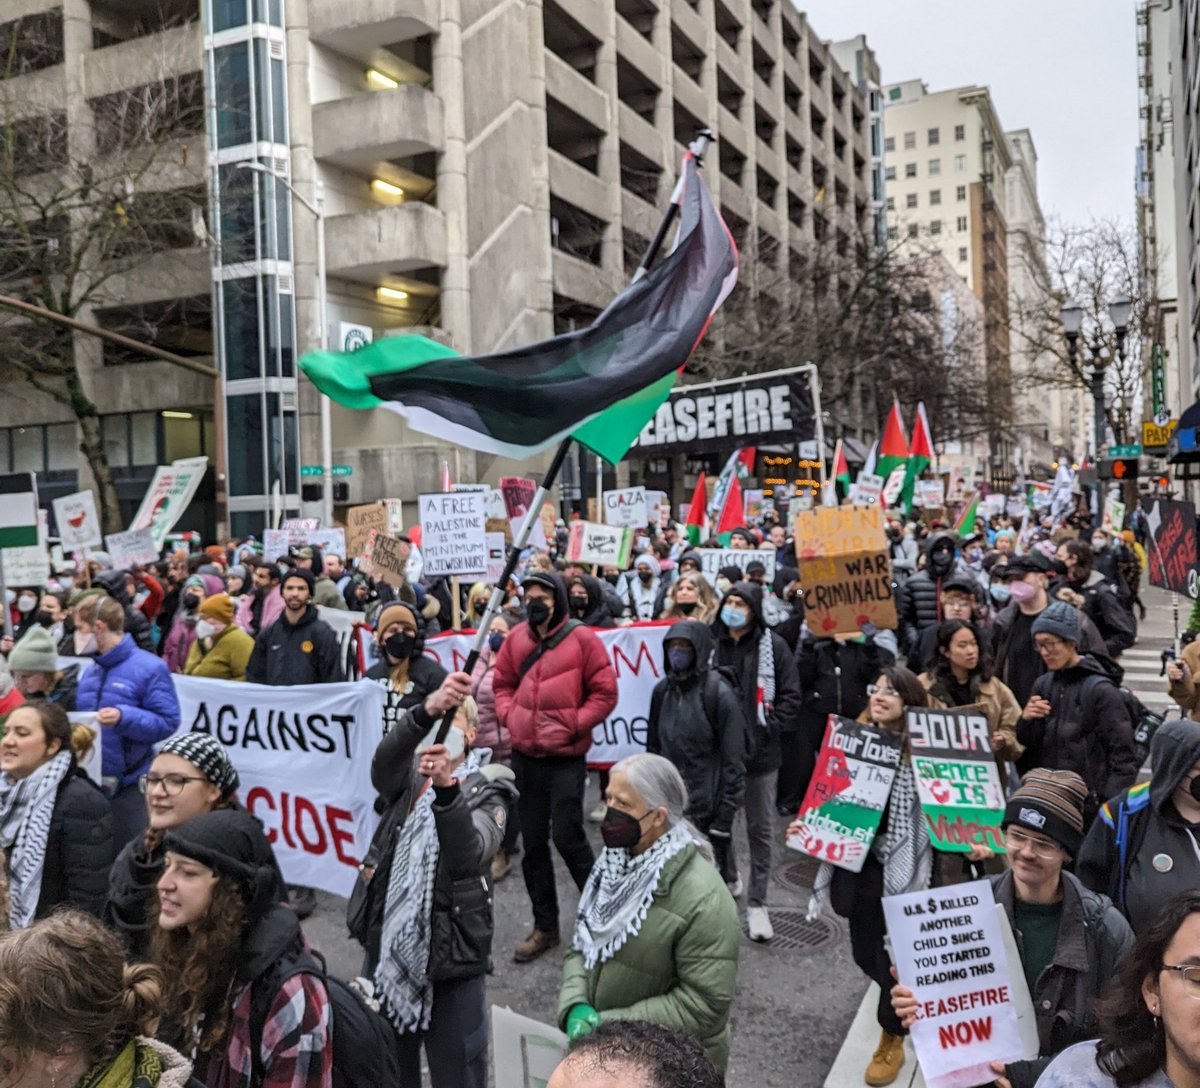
x=1060, y=619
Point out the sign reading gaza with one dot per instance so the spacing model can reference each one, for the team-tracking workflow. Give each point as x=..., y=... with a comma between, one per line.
x=759, y=410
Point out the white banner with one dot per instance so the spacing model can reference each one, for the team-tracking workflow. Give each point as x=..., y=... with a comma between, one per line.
x=713, y=559
x=626, y=507
x=168, y=496
x=303, y=755
x=77, y=520
x=636, y=653
x=132, y=548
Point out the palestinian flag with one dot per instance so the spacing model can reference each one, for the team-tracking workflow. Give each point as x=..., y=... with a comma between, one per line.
x=840, y=474
x=965, y=526
x=920, y=456
x=697, y=519
x=732, y=514
x=600, y=384
x=893, y=446
x=18, y=511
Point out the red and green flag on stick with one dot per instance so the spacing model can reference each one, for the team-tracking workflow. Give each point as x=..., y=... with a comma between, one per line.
x=920, y=456
x=697, y=519
x=965, y=526
x=893, y=446
x=599, y=385
x=841, y=476
x=727, y=504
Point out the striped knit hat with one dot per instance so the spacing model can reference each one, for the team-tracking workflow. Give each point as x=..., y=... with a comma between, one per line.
x=1050, y=802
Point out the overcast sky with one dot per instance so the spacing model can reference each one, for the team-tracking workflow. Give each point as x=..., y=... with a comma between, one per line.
x=1064, y=69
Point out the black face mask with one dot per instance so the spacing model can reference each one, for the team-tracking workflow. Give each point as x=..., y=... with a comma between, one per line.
x=645, y=575
x=612, y=579
x=686, y=607
x=191, y=602
x=44, y=619
x=579, y=605
x=479, y=607
x=1194, y=787
x=400, y=645
x=539, y=612
x=620, y=830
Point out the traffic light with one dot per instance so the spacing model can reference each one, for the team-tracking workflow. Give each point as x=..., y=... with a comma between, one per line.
x=1123, y=468
x=341, y=491
x=311, y=492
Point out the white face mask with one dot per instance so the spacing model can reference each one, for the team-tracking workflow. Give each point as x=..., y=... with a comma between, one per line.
x=26, y=604
x=204, y=629
x=85, y=644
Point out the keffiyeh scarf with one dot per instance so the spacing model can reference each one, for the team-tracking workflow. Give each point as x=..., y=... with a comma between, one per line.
x=137, y=1066
x=903, y=849
x=401, y=979
x=26, y=809
x=766, y=677
x=616, y=898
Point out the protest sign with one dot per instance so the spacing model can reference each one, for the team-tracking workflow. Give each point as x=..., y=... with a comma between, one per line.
x=168, y=496
x=929, y=493
x=958, y=782
x=849, y=788
x=25, y=564
x=606, y=545
x=525, y=1053
x=453, y=533
x=298, y=529
x=395, y=509
x=131, y=548
x=387, y=558
x=493, y=504
x=1172, y=548
x=360, y=520
x=517, y=493
x=713, y=559
x=636, y=653
x=844, y=568
x=894, y=486
x=495, y=557
x=954, y=488
x=868, y=489
x=549, y=522
x=626, y=506
x=303, y=755
x=1114, y=515
x=77, y=521
x=752, y=500
x=330, y=541
x=275, y=544
x=948, y=949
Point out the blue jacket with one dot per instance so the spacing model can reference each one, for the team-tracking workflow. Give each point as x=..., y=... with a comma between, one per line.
x=139, y=685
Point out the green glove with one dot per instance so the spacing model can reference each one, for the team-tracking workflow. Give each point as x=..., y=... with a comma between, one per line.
x=580, y=1020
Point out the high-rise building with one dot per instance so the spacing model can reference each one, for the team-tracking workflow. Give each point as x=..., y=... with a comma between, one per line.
x=487, y=175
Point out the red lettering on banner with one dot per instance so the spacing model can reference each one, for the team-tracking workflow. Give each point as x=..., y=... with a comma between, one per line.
x=634, y=666
x=305, y=807
x=251, y=798
x=334, y=816
x=319, y=832
x=964, y=1032
x=287, y=831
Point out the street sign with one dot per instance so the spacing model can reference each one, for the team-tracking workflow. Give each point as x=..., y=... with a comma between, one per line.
x=1125, y=451
x=1158, y=380
x=316, y=470
x=1120, y=469
x=1155, y=435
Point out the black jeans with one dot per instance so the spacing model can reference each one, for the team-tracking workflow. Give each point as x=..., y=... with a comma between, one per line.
x=858, y=897
x=551, y=805
x=456, y=1044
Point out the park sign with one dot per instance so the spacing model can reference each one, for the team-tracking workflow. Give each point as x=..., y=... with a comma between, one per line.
x=18, y=511
x=958, y=781
x=845, y=570
x=846, y=795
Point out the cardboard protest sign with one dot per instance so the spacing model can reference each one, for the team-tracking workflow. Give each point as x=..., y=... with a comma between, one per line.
x=845, y=569
x=453, y=533
x=958, y=782
x=132, y=548
x=360, y=520
x=847, y=793
x=549, y=522
x=626, y=506
x=868, y=489
x=713, y=559
x=948, y=949
x=493, y=504
x=303, y=755
x=168, y=496
x=607, y=545
x=77, y=521
x=387, y=558
x=525, y=1053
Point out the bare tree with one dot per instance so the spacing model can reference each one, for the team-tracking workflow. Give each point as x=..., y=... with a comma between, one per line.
x=85, y=204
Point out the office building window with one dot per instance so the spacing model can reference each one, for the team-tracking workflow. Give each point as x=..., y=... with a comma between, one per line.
x=962, y=253
x=934, y=137
x=960, y=132
x=893, y=233
x=891, y=203
x=912, y=230
x=961, y=222
x=889, y=143
x=935, y=196
x=960, y=192
x=910, y=169
x=960, y=163
x=910, y=201
x=935, y=227
x=889, y=173
x=910, y=141
x=935, y=167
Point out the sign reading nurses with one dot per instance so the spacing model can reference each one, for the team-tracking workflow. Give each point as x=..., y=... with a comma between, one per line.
x=627, y=507
x=453, y=532
x=713, y=417
x=78, y=522
x=303, y=755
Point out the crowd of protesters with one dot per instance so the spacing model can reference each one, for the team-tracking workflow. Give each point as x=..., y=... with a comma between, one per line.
x=196, y=958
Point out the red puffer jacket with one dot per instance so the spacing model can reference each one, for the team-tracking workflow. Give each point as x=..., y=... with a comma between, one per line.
x=569, y=689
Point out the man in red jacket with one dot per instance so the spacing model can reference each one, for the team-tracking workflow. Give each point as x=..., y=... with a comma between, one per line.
x=553, y=683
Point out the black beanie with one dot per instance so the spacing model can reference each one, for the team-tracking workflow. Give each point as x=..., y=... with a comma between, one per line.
x=300, y=572
x=231, y=843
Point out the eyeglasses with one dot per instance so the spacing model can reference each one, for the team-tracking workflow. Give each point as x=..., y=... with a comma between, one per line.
x=1014, y=840
x=1189, y=974
x=1045, y=645
x=172, y=784
x=879, y=689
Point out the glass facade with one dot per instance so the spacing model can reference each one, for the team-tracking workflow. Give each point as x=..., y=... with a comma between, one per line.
x=249, y=160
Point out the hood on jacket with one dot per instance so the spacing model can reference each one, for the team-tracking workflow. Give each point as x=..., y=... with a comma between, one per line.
x=597, y=609
x=701, y=638
x=691, y=554
x=555, y=584
x=1174, y=751
x=744, y=591
x=113, y=583
x=272, y=935
x=936, y=540
x=1099, y=664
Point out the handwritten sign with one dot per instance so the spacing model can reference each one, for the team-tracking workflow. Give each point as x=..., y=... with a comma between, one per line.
x=360, y=520
x=517, y=494
x=929, y=493
x=78, y=523
x=1173, y=558
x=626, y=506
x=387, y=558
x=949, y=950
x=606, y=545
x=847, y=793
x=713, y=559
x=275, y=543
x=958, y=782
x=868, y=490
x=132, y=548
x=453, y=533
x=844, y=568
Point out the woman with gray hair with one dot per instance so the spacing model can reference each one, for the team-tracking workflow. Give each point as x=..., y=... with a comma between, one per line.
x=656, y=935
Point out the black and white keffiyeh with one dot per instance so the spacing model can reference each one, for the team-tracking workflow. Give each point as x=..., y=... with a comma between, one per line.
x=766, y=676
x=617, y=895
x=26, y=809
x=401, y=979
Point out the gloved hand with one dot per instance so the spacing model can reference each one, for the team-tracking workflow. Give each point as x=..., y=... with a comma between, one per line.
x=581, y=1020
x=869, y=630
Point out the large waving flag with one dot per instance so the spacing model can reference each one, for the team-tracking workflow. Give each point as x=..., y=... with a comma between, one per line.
x=697, y=519
x=601, y=384
x=920, y=456
x=893, y=446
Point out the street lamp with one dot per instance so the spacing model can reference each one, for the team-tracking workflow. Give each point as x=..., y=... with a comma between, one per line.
x=1071, y=316
x=317, y=208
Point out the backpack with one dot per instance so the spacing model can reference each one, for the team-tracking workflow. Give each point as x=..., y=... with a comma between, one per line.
x=366, y=1049
x=1142, y=720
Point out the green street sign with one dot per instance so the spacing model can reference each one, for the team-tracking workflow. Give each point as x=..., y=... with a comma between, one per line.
x=316, y=470
x=1124, y=451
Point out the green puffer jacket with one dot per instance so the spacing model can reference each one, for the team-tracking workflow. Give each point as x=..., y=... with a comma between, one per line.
x=681, y=968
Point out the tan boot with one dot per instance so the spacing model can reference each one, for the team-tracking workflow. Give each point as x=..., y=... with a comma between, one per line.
x=501, y=866
x=886, y=1061
x=534, y=945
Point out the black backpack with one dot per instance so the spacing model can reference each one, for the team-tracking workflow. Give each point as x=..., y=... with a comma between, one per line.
x=366, y=1051
x=1142, y=720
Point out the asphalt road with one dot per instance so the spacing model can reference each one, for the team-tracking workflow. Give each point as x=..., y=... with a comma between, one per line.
x=797, y=996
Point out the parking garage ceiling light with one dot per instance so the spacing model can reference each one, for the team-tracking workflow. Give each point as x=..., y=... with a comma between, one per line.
x=378, y=79
x=390, y=294
x=386, y=187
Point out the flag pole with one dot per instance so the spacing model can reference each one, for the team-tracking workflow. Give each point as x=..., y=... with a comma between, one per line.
x=698, y=149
